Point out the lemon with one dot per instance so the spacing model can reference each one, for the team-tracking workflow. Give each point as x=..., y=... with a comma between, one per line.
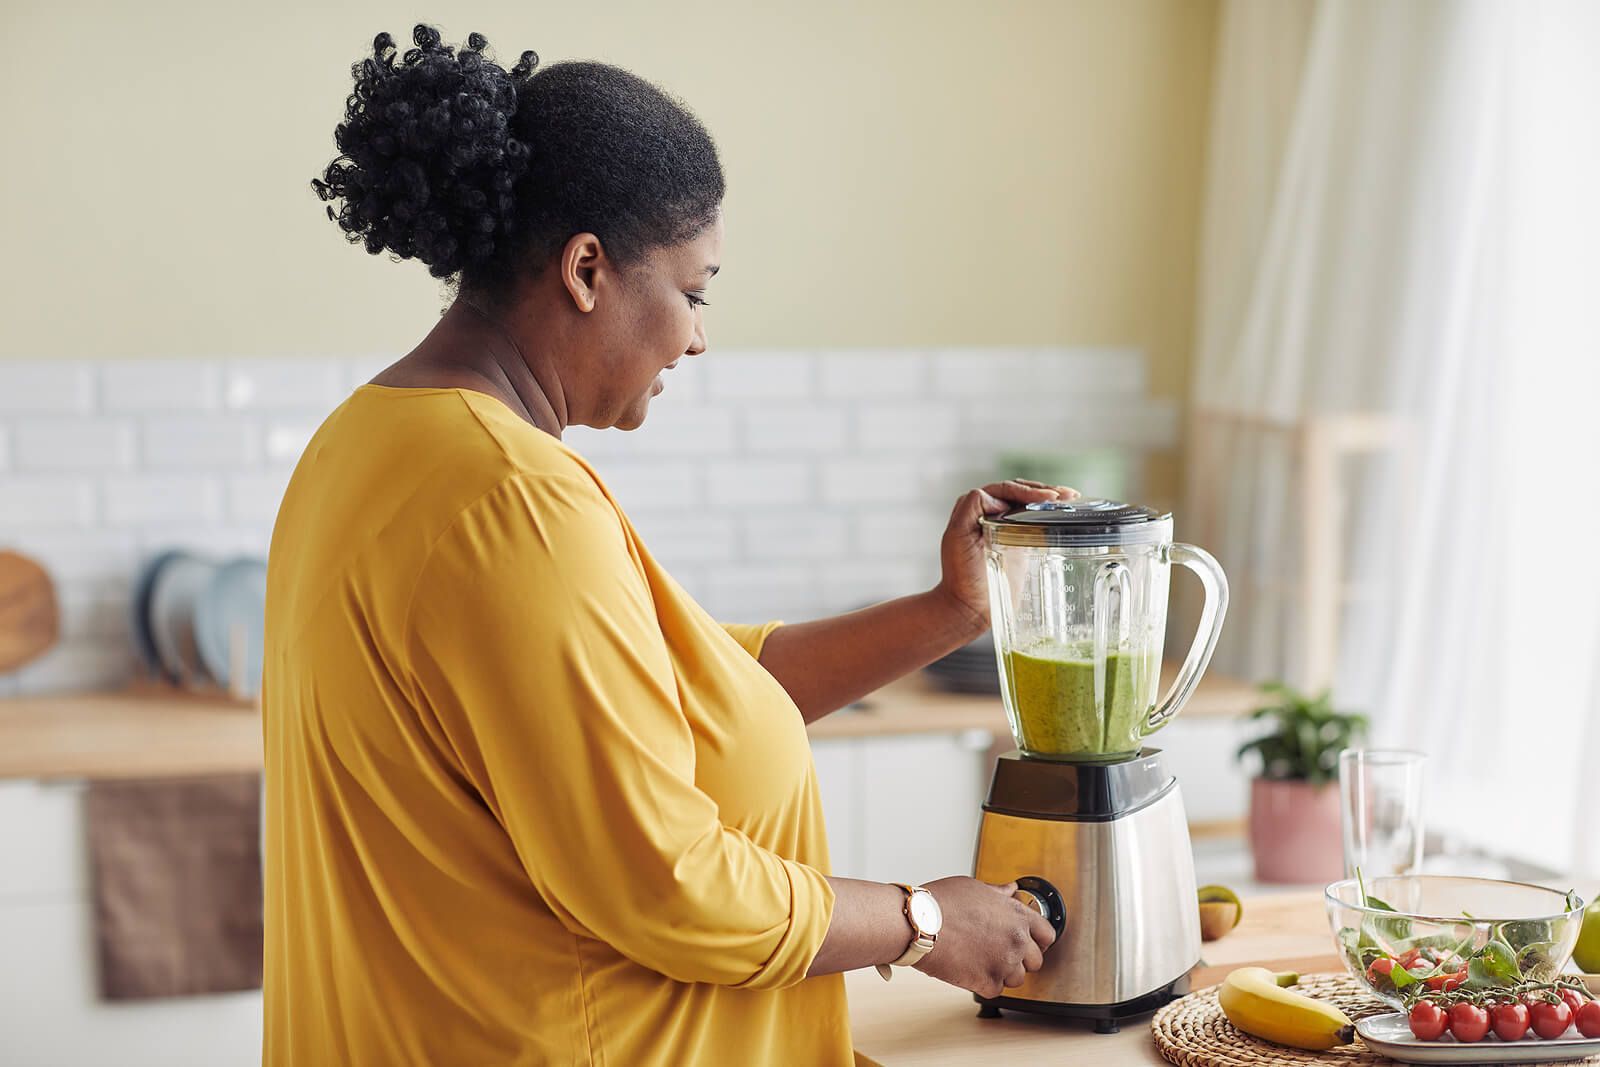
x=1587, y=953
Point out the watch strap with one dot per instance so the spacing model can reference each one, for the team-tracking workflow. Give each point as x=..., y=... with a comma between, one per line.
x=921, y=943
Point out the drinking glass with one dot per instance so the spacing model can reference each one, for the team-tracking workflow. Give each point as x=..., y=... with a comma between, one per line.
x=1381, y=811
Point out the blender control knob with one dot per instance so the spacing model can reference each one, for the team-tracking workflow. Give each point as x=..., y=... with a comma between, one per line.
x=1043, y=898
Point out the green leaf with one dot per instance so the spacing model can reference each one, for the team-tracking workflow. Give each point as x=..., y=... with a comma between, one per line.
x=1388, y=931
x=1494, y=966
x=1401, y=977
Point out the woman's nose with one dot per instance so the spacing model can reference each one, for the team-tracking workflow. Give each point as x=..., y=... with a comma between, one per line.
x=698, y=344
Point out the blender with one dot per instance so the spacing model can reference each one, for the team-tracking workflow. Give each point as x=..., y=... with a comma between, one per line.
x=1084, y=817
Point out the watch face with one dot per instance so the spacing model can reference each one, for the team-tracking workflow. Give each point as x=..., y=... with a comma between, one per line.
x=925, y=912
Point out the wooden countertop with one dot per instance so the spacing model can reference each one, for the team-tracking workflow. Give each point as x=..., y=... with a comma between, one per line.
x=917, y=1021
x=167, y=733
x=913, y=706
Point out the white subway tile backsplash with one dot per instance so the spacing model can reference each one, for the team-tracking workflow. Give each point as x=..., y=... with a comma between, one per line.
x=218, y=542
x=778, y=534
x=356, y=371
x=919, y=428
x=45, y=500
x=759, y=375
x=794, y=429
x=72, y=443
x=870, y=481
x=643, y=485
x=34, y=387
x=279, y=384
x=761, y=592
x=963, y=374
x=193, y=442
x=86, y=556
x=874, y=374
x=899, y=533
x=685, y=540
x=94, y=613
x=160, y=385
x=852, y=584
x=285, y=441
x=254, y=498
x=79, y=665
x=771, y=484
x=737, y=484
x=679, y=430
x=135, y=499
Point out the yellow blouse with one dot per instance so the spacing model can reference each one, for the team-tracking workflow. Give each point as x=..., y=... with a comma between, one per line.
x=526, y=802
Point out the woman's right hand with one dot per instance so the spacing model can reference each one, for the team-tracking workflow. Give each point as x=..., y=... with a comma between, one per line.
x=989, y=941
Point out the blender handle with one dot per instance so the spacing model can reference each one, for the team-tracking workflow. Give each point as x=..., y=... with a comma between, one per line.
x=1205, y=639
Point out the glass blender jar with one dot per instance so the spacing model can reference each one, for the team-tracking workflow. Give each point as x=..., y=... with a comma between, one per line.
x=1078, y=601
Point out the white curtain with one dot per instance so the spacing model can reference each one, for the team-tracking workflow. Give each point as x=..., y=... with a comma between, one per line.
x=1403, y=220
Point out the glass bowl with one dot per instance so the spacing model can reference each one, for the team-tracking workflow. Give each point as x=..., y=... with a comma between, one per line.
x=1419, y=932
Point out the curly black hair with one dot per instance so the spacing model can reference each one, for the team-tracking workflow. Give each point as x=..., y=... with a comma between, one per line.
x=483, y=173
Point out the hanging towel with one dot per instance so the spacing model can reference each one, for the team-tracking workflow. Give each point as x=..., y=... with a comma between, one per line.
x=176, y=876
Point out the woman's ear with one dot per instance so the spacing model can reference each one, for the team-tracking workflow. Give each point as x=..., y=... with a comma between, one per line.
x=583, y=262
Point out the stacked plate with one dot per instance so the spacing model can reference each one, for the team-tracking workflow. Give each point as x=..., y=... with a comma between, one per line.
x=970, y=669
x=198, y=622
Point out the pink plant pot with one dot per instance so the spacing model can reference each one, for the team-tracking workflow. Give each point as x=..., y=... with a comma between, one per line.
x=1294, y=832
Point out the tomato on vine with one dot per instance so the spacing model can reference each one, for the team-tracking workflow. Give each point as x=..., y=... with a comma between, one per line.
x=1428, y=1020
x=1550, y=1019
x=1510, y=1020
x=1468, y=1022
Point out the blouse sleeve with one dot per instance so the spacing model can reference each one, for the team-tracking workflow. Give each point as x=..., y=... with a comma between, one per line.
x=752, y=638
x=532, y=640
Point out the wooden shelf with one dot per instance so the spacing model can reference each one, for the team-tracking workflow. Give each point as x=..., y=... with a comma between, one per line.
x=127, y=735
x=913, y=705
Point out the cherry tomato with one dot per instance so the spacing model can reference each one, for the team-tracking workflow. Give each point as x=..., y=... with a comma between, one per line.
x=1589, y=1019
x=1379, y=970
x=1510, y=1020
x=1575, y=1000
x=1468, y=1022
x=1444, y=983
x=1428, y=1021
x=1410, y=957
x=1550, y=1021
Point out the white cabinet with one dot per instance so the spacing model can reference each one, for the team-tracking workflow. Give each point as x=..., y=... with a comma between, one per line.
x=902, y=808
x=50, y=1013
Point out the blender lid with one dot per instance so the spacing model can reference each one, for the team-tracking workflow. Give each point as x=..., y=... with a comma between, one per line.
x=1080, y=522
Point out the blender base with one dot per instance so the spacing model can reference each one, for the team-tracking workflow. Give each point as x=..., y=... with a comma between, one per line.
x=1106, y=1017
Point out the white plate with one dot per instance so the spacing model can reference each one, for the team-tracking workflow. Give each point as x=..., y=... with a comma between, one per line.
x=173, y=599
x=233, y=603
x=1390, y=1035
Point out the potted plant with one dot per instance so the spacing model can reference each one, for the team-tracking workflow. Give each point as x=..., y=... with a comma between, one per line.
x=1294, y=799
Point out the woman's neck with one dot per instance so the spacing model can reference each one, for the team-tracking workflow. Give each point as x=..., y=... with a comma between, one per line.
x=474, y=348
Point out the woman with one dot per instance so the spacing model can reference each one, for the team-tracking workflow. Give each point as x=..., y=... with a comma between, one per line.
x=527, y=802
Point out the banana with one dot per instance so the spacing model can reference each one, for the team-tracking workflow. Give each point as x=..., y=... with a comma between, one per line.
x=1253, y=1001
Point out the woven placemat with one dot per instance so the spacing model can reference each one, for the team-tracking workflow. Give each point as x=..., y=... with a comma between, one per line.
x=1193, y=1033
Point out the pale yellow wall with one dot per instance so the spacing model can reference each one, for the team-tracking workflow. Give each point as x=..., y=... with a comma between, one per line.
x=900, y=173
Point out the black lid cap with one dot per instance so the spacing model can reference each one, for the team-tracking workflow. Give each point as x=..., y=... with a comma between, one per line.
x=1079, y=522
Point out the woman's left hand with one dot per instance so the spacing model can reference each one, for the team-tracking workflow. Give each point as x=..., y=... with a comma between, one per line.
x=961, y=550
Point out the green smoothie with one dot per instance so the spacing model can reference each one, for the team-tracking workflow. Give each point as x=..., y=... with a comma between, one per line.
x=1056, y=711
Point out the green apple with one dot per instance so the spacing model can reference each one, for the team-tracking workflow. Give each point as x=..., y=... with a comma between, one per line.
x=1587, y=954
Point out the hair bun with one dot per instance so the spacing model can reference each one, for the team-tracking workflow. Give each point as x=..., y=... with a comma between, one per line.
x=428, y=159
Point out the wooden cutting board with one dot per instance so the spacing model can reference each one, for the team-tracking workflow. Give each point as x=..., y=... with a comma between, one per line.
x=30, y=620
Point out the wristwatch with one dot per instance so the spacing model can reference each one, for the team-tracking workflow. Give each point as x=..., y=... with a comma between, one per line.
x=922, y=912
